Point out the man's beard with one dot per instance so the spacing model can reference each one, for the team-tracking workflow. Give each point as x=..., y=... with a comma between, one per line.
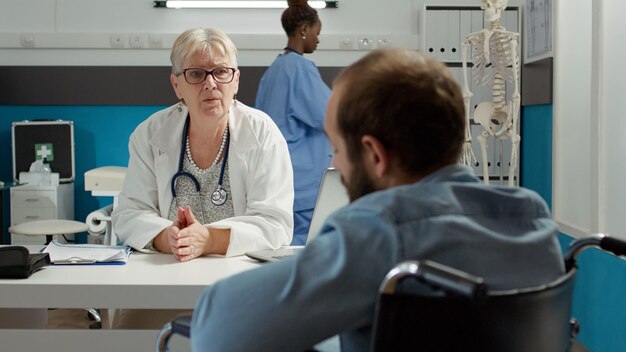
x=359, y=183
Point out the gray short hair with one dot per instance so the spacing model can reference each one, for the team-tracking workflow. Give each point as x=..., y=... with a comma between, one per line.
x=203, y=40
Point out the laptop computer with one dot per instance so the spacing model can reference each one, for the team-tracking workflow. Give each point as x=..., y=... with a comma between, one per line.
x=331, y=196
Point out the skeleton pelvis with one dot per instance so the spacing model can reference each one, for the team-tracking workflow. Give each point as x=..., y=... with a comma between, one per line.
x=491, y=119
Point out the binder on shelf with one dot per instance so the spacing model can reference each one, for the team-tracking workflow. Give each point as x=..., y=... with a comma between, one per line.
x=74, y=254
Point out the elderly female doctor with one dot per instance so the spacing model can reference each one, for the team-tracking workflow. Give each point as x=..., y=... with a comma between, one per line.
x=208, y=175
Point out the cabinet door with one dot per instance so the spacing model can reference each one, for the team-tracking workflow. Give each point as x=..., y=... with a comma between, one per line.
x=33, y=199
x=509, y=20
x=477, y=20
x=480, y=161
x=20, y=215
x=27, y=240
x=453, y=36
x=502, y=157
x=33, y=203
x=436, y=33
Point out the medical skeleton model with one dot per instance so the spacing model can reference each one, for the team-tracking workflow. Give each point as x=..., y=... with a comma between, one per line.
x=496, y=60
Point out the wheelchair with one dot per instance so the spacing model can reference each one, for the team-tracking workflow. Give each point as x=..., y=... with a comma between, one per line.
x=456, y=311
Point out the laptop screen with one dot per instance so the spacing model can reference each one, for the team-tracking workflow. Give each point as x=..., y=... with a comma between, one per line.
x=331, y=196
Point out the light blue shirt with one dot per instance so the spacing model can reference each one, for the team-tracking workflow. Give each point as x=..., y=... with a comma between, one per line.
x=293, y=93
x=506, y=235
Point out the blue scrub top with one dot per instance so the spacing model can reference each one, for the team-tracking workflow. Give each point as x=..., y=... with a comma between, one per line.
x=294, y=95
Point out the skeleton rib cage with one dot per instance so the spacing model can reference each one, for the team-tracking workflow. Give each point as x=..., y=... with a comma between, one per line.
x=499, y=61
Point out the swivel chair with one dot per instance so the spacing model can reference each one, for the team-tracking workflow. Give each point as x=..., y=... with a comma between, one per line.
x=450, y=310
x=49, y=228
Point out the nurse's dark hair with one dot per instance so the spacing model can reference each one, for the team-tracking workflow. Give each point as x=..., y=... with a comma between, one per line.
x=298, y=13
x=409, y=102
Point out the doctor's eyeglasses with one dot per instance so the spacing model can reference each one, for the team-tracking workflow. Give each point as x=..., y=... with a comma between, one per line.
x=220, y=75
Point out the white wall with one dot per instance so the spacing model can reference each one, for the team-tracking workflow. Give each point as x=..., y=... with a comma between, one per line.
x=590, y=117
x=573, y=164
x=78, y=32
x=612, y=106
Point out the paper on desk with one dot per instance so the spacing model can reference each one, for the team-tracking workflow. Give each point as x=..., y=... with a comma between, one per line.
x=86, y=253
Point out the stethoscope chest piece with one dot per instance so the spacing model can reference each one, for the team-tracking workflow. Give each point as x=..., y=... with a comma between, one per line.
x=219, y=196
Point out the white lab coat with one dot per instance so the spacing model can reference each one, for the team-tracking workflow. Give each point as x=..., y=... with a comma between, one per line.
x=260, y=175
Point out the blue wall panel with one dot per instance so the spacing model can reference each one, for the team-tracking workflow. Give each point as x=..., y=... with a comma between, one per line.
x=601, y=281
x=599, y=299
x=100, y=136
x=536, y=150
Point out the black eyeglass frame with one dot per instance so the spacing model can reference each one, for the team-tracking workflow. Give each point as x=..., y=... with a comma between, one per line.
x=207, y=73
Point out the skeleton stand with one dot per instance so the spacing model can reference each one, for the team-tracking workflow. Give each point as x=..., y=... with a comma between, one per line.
x=496, y=60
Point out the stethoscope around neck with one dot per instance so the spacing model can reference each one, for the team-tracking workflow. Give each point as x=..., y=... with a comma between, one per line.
x=219, y=196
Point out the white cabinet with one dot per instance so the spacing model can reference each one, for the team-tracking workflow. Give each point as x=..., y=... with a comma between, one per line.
x=30, y=203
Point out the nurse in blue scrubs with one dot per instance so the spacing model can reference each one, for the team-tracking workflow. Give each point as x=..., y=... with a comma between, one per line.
x=292, y=92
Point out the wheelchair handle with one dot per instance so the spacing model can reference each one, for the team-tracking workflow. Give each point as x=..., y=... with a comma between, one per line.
x=436, y=275
x=602, y=241
x=613, y=245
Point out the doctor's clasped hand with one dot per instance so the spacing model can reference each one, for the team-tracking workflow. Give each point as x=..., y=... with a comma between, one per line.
x=188, y=239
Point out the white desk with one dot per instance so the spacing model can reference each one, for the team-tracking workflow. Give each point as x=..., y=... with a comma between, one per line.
x=155, y=281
